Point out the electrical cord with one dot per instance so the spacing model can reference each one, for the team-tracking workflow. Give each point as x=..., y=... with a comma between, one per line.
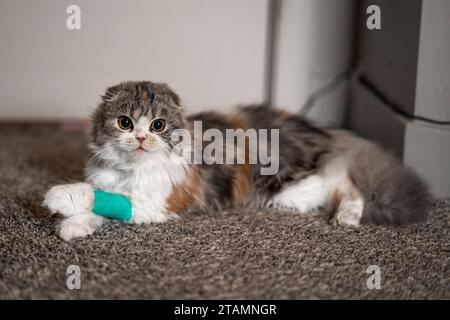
x=323, y=91
x=395, y=107
x=342, y=77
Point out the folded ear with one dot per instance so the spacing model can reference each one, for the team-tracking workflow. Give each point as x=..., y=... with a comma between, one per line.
x=164, y=89
x=175, y=98
x=113, y=93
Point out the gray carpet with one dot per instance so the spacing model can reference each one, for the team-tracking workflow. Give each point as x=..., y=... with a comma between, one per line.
x=229, y=255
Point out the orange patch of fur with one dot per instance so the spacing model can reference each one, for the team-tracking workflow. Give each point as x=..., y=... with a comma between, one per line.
x=237, y=121
x=242, y=187
x=188, y=192
x=346, y=190
x=242, y=178
x=336, y=199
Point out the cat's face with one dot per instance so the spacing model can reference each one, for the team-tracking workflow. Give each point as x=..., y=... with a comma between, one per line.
x=136, y=119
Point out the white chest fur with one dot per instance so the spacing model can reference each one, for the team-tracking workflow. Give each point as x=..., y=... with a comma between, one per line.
x=148, y=184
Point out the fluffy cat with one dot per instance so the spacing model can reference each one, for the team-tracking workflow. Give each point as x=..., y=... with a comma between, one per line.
x=333, y=172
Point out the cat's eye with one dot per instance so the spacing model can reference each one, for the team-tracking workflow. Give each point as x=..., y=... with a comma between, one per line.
x=125, y=123
x=158, y=125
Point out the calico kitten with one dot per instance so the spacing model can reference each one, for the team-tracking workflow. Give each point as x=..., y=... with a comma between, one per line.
x=327, y=171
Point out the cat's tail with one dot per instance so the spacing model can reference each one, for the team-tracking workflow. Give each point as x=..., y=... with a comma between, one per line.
x=393, y=193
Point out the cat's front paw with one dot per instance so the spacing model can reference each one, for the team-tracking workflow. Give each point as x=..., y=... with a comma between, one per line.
x=79, y=226
x=70, y=199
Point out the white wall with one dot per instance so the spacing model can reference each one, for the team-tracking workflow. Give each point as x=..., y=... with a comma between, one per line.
x=433, y=71
x=314, y=47
x=427, y=146
x=210, y=51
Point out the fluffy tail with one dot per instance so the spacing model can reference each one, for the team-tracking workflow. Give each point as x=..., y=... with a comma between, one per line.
x=393, y=193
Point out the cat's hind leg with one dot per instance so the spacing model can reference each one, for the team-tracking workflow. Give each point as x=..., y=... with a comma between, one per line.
x=347, y=204
x=304, y=197
x=330, y=191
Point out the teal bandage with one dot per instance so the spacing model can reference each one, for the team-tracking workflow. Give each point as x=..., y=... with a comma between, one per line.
x=112, y=205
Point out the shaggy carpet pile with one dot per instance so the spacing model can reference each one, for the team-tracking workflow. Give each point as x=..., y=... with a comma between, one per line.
x=227, y=255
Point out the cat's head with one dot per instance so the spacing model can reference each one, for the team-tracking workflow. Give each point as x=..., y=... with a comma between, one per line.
x=136, y=119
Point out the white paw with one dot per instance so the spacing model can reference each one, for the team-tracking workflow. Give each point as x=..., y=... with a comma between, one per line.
x=70, y=199
x=348, y=218
x=349, y=212
x=79, y=226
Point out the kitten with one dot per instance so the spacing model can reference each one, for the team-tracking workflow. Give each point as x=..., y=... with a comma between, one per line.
x=319, y=171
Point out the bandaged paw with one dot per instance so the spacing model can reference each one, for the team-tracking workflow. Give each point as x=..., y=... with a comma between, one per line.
x=112, y=205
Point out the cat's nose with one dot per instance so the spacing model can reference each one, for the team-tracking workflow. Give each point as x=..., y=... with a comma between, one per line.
x=140, y=139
